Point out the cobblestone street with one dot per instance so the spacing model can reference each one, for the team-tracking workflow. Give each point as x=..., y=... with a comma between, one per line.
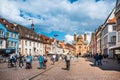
x=83, y=69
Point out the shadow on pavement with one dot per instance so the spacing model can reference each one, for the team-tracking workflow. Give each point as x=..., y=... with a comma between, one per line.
x=64, y=69
x=111, y=65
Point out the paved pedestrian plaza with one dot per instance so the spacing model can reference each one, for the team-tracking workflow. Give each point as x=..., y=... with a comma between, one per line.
x=81, y=69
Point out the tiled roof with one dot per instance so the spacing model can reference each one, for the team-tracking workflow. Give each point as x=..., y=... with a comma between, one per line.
x=9, y=26
x=69, y=46
x=27, y=33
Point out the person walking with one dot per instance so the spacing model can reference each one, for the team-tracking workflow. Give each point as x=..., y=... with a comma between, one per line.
x=21, y=60
x=96, y=57
x=30, y=57
x=44, y=61
x=67, y=59
x=40, y=59
x=100, y=59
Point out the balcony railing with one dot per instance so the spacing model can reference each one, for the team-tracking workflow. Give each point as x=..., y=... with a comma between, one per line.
x=112, y=44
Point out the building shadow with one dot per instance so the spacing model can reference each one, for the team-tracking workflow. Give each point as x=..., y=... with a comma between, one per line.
x=111, y=65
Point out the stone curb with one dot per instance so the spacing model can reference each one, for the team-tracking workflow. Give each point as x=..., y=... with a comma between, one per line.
x=37, y=74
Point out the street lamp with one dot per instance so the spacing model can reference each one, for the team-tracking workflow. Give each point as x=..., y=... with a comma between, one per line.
x=55, y=43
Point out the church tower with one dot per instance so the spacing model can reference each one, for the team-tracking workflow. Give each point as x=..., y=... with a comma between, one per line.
x=75, y=36
x=85, y=37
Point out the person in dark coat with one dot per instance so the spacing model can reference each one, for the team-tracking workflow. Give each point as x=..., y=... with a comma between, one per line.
x=40, y=59
x=67, y=59
x=100, y=59
x=96, y=57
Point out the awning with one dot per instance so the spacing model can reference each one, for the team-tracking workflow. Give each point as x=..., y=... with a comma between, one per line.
x=115, y=47
x=7, y=51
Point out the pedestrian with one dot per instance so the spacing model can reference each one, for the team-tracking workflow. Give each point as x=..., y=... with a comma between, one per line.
x=28, y=64
x=30, y=57
x=44, y=61
x=96, y=57
x=53, y=58
x=40, y=59
x=20, y=60
x=11, y=58
x=105, y=56
x=67, y=59
x=100, y=59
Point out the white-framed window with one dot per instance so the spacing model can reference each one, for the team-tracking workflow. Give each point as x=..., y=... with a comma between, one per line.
x=37, y=44
x=34, y=44
x=1, y=42
x=9, y=44
x=6, y=25
x=29, y=51
x=25, y=50
x=15, y=44
x=20, y=50
x=1, y=32
x=12, y=43
x=113, y=39
x=20, y=42
x=8, y=34
x=25, y=42
x=30, y=43
x=11, y=35
x=118, y=36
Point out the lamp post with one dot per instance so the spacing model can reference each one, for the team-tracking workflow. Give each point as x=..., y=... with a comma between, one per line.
x=55, y=43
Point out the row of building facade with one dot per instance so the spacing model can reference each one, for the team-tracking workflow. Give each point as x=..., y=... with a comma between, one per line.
x=15, y=38
x=106, y=38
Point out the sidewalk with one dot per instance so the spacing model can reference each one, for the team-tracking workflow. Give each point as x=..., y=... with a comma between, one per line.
x=20, y=73
x=108, y=64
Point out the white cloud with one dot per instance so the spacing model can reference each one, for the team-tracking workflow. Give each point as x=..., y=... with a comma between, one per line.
x=68, y=38
x=58, y=15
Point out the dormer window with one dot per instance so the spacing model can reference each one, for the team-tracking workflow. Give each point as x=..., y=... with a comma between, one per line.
x=3, y=20
x=47, y=40
x=13, y=28
x=6, y=25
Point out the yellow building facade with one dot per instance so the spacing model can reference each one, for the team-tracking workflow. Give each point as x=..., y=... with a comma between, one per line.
x=81, y=44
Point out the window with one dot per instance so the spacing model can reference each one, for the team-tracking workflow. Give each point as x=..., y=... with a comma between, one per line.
x=118, y=36
x=26, y=43
x=8, y=34
x=118, y=20
x=1, y=32
x=19, y=41
x=20, y=50
x=25, y=50
x=12, y=43
x=29, y=51
x=34, y=44
x=113, y=39
x=30, y=43
x=114, y=28
x=6, y=25
x=1, y=42
x=37, y=44
x=12, y=35
x=15, y=44
x=9, y=44
x=3, y=20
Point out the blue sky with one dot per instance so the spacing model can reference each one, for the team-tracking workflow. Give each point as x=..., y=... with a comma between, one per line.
x=61, y=17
